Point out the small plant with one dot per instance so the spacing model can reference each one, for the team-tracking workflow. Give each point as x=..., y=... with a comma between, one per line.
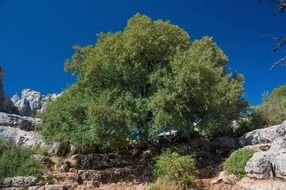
x=17, y=161
x=236, y=163
x=40, y=151
x=172, y=167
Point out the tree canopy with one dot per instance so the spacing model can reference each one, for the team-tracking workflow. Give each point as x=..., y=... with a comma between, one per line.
x=139, y=82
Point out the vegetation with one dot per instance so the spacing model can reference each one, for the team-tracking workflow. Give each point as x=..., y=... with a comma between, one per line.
x=137, y=83
x=16, y=161
x=163, y=185
x=172, y=167
x=236, y=163
x=273, y=109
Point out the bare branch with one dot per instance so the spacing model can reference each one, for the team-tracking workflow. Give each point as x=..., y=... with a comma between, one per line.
x=281, y=62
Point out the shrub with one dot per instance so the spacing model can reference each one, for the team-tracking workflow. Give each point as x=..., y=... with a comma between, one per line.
x=16, y=161
x=236, y=163
x=175, y=168
x=273, y=108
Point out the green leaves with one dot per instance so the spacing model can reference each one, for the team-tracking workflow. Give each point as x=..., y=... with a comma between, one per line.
x=173, y=167
x=147, y=78
x=17, y=161
x=236, y=163
x=273, y=109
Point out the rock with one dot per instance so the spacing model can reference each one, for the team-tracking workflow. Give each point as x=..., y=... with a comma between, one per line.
x=252, y=184
x=31, y=102
x=6, y=105
x=21, y=122
x=59, y=149
x=263, y=136
x=258, y=147
x=260, y=166
x=278, y=145
x=279, y=166
x=56, y=187
x=224, y=178
x=21, y=182
x=20, y=137
x=97, y=161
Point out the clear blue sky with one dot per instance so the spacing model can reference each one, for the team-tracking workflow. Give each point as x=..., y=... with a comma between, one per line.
x=36, y=36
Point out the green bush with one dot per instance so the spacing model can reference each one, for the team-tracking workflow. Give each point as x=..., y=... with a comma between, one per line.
x=146, y=79
x=273, y=108
x=176, y=168
x=16, y=161
x=236, y=163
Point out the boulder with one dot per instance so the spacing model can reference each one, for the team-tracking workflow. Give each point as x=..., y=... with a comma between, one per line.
x=260, y=166
x=278, y=145
x=20, y=137
x=16, y=121
x=263, y=136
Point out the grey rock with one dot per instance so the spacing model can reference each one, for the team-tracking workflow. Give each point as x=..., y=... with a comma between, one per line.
x=20, y=137
x=278, y=145
x=56, y=187
x=265, y=135
x=31, y=102
x=21, y=181
x=260, y=166
x=59, y=149
x=279, y=165
x=258, y=147
x=21, y=122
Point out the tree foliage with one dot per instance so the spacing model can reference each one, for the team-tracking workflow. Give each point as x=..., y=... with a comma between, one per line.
x=148, y=78
x=273, y=108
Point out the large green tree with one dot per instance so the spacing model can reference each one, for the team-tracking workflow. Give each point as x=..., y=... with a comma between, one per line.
x=146, y=79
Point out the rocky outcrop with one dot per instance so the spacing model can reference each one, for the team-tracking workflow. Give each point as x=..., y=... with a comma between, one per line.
x=30, y=102
x=19, y=130
x=270, y=159
x=263, y=136
x=20, y=137
x=6, y=105
x=21, y=182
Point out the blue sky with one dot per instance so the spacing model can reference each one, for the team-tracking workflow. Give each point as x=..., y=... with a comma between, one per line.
x=36, y=36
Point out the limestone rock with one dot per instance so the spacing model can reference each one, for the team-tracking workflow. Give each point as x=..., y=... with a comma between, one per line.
x=21, y=182
x=16, y=121
x=258, y=147
x=260, y=166
x=265, y=135
x=20, y=137
x=31, y=102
